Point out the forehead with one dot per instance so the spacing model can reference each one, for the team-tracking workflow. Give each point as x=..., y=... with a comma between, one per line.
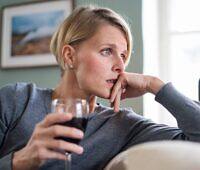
x=108, y=34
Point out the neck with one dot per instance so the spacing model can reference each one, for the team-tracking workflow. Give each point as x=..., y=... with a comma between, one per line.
x=68, y=88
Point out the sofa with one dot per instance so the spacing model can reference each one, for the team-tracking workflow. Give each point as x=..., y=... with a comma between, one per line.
x=159, y=155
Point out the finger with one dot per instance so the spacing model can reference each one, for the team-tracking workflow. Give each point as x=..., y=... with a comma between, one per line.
x=123, y=90
x=120, y=84
x=123, y=96
x=61, y=145
x=124, y=93
x=59, y=109
x=112, y=104
x=55, y=118
x=117, y=101
x=63, y=131
x=45, y=154
x=115, y=90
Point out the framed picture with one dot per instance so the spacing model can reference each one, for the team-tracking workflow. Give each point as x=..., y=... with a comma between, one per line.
x=27, y=30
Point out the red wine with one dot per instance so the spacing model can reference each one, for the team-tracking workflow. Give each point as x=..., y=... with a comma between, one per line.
x=79, y=123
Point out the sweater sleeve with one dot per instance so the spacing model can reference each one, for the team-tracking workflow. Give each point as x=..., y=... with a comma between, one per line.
x=7, y=107
x=6, y=162
x=186, y=111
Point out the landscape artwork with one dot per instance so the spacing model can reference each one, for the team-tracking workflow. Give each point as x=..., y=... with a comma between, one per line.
x=31, y=34
x=27, y=29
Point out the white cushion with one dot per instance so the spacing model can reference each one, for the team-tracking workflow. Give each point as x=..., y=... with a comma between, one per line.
x=160, y=155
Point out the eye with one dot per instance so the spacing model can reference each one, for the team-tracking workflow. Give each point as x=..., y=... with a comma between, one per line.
x=123, y=56
x=106, y=51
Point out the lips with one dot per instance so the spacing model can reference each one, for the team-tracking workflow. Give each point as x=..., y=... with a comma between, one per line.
x=112, y=81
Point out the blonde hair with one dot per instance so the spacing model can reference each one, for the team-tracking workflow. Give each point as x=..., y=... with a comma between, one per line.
x=82, y=24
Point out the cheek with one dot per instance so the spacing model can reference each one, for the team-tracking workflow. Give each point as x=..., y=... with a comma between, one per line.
x=90, y=71
x=91, y=75
x=96, y=68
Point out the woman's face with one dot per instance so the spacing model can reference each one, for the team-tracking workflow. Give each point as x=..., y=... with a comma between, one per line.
x=100, y=60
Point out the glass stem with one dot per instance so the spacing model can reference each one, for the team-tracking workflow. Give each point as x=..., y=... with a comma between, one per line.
x=68, y=162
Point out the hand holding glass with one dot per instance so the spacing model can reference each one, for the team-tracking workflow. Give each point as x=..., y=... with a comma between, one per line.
x=79, y=109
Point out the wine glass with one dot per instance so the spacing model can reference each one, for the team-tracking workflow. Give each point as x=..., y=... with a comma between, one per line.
x=79, y=108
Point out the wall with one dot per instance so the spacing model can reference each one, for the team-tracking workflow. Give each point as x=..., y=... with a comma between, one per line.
x=49, y=76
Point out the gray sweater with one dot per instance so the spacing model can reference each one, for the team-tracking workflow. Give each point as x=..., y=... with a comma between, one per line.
x=107, y=134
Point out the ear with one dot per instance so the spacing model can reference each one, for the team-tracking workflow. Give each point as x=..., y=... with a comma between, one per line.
x=68, y=55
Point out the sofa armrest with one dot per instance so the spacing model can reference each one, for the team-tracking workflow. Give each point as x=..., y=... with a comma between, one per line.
x=160, y=155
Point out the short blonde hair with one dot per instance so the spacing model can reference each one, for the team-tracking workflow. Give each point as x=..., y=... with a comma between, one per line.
x=82, y=24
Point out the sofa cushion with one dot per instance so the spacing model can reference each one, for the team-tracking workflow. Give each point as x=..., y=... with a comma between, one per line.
x=160, y=155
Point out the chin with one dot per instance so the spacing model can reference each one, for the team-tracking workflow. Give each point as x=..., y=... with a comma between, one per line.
x=103, y=94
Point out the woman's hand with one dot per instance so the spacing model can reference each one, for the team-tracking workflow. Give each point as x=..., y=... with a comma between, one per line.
x=131, y=85
x=43, y=143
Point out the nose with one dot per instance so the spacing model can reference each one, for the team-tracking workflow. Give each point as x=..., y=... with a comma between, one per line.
x=118, y=65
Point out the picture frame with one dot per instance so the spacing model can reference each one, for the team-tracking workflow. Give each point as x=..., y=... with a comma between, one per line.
x=27, y=30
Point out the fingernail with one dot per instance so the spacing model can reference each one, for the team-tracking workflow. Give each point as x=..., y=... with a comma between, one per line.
x=81, y=150
x=80, y=133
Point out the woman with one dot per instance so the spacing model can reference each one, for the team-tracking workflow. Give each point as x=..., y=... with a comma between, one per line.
x=92, y=47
